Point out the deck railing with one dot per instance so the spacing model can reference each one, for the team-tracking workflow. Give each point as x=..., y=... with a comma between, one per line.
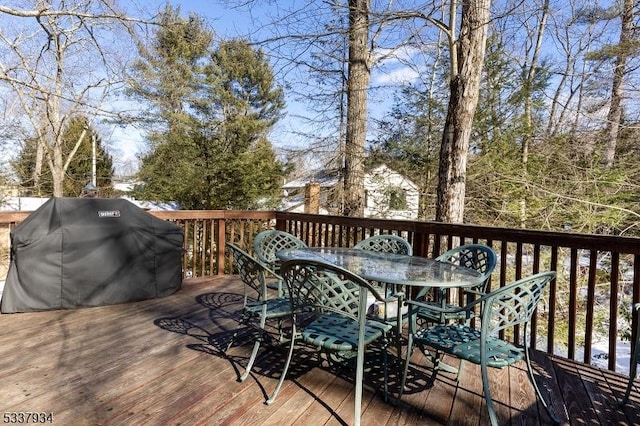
x=598, y=277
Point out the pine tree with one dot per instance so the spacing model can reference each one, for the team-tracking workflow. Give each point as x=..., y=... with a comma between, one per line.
x=211, y=151
x=79, y=171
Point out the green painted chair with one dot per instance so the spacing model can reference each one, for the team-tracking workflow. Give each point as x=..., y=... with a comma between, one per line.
x=386, y=243
x=478, y=257
x=333, y=301
x=509, y=306
x=258, y=306
x=393, y=312
x=635, y=356
x=269, y=242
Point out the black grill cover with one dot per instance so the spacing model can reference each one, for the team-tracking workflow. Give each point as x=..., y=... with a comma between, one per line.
x=78, y=252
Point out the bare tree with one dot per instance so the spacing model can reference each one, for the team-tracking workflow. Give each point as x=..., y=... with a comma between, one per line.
x=467, y=59
x=357, y=86
x=59, y=60
x=622, y=52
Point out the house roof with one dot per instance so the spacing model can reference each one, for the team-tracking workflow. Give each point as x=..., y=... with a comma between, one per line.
x=383, y=170
x=326, y=179
x=329, y=178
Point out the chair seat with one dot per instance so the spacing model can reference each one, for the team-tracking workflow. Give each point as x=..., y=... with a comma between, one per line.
x=337, y=332
x=464, y=342
x=434, y=316
x=276, y=308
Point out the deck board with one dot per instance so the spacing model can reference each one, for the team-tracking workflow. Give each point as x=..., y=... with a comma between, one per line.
x=162, y=361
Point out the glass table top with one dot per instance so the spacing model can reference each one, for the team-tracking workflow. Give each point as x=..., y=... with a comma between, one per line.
x=388, y=267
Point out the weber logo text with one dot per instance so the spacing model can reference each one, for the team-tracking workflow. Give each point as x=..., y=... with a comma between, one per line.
x=109, y=213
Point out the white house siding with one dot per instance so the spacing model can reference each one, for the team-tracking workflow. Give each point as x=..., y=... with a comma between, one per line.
x=377, y=183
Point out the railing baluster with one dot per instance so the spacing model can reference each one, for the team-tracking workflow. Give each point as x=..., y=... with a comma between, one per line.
x=613, y=309
x=591, y=300
x=553, y=294
x=573, y=304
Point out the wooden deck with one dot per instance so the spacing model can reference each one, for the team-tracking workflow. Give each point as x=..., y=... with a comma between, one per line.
x=160, y=362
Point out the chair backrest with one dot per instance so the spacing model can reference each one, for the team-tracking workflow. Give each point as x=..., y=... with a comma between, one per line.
x=326, y=287
x=267, y=243
x=513, y=304
x=478, y=257
x=386, y=243
x=251, y=271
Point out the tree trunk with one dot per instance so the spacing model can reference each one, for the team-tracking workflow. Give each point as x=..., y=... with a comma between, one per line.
x=37, y=171
x=614, y=118
x=528, y=109
x=464, y=92
x=357, y=86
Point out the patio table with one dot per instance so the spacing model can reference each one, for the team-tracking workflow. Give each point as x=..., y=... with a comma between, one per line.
x=391, y=268
x=413, y=271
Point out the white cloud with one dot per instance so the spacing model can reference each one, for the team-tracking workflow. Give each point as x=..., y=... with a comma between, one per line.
x=396, y=77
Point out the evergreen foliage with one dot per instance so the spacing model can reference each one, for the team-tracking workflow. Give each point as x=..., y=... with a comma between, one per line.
x=411, y=147
x=213, y=108
x=79, y=172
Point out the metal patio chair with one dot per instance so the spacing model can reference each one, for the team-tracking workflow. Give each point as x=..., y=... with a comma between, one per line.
x=386, y=243
x=269, y=242
x=335, y=299
x=259, y=308
x=480, y=258
x=635, y=356
x=511, y=305
x=389, y=312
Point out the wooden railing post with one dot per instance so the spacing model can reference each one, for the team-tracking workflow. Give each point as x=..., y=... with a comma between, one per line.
x=222, y=236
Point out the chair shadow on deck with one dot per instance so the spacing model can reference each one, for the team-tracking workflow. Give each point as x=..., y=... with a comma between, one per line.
x=211, y=332
x=210, y=329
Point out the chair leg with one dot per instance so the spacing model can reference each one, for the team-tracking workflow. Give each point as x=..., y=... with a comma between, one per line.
x=385, y=362
x=242, y=321
x=438, y=364
x=546, y=406
x=633, y=368
x=459, y=371
x=487, y=394
x=272, y=398
x=230, y=343
x=252, y=359
x=632, y=375
x=405, y=370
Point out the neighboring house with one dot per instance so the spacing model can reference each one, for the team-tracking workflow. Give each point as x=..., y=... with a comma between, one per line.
x=388, y=194
x=294, y=192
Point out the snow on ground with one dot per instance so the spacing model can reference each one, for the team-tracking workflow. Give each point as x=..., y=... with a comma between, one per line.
x=600, y=355
x=33, y=203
